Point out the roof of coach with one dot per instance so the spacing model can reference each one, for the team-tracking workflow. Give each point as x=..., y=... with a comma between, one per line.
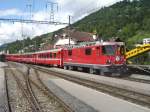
x=40, y=52
x=53, y=50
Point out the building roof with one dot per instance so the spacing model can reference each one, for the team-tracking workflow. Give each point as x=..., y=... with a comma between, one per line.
x=75, y=35
x=64, y=42
x=81, y=36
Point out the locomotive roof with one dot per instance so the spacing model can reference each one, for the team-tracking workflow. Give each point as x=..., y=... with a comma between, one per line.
x=98, y=43
x=111, y=43
x=53, y=50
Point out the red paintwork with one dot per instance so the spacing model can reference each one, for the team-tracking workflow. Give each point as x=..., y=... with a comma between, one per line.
x=78, y=56
x=97, y=57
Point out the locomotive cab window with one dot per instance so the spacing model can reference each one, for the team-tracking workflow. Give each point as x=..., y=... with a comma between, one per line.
x=88, y=51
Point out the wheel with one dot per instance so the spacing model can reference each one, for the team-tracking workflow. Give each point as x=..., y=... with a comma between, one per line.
x=97, y=71
x=91, y=70
x=65, y=67
x=79, y=68
x=75, y=68
x=70, y=68
x=102, y=73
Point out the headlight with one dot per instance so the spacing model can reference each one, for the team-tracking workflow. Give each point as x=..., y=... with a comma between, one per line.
x=117, y=58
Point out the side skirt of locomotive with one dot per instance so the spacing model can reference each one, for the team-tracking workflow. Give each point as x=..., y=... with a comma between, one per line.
x=109, y=70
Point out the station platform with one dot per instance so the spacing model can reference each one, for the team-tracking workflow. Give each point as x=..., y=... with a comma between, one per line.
x=3, y=103
x=96, y=101
x=142, y=88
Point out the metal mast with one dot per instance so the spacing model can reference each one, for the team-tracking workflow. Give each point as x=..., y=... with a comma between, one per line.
x=53, y=7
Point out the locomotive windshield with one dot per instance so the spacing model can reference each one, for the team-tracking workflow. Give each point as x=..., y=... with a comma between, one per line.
x=112, y=50
x=108, y=50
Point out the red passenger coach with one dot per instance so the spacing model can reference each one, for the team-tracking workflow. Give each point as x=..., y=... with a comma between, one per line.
x=50, y=57
x=106, y=57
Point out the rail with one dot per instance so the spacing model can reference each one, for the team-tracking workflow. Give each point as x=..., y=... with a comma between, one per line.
x=44, y=89
x=144, y=68
x=65, y=106
x=27, y=92
x=132, y=96
x=7, y=93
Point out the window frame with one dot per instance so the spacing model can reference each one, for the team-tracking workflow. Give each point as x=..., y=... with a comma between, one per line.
x=88, y=51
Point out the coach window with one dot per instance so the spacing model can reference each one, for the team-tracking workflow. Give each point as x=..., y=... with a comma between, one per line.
x=54, y=55
x=44, y=56
x=50, y=55
x=88, y=51
x=69, y=52
x=47, y=55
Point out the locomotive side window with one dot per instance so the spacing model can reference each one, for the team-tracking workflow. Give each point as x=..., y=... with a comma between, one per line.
x=69, y=52
x=88, y=51
x=122, y=50
x=54, y=55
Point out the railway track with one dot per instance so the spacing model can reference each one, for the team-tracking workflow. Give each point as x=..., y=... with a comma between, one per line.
x=28, y=93
x=49, y=93
x=8, y=105
x=136, y=80
x=131, y=96
x=145, y=70
x=45, y=90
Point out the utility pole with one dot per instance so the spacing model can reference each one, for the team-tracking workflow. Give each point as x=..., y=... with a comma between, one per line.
x=69, y=25
x=35, y=46
x=30, y=6
x=23, y=36
x=53, y=6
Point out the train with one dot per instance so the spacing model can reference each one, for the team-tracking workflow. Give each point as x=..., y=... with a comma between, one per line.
x=2, y=57
x=104, y=58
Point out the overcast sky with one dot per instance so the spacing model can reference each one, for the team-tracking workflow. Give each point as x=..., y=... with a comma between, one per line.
x=20, y=9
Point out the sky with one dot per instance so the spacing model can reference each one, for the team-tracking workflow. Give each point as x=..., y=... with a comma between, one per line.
x=40, y=10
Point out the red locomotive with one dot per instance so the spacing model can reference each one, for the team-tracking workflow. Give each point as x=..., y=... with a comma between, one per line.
x=102, y=58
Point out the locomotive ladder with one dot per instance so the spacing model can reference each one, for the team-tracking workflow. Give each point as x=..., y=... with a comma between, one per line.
x=137, y=51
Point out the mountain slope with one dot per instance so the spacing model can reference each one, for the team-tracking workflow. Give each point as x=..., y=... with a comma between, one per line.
x=124, y=19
